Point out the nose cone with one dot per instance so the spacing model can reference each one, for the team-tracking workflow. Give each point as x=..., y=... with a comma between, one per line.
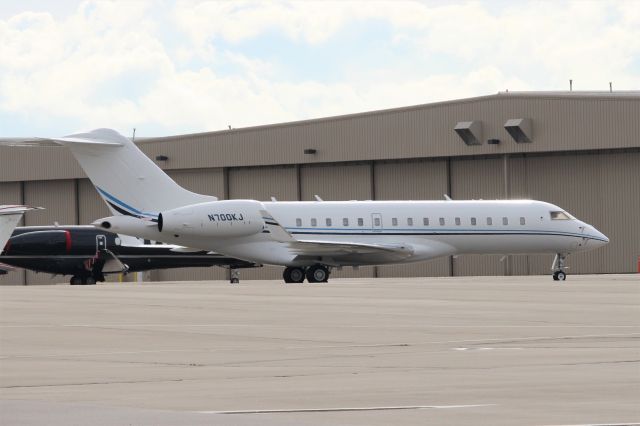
x=598, y=239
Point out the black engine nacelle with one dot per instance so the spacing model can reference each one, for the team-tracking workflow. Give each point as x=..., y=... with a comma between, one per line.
x=51, y=242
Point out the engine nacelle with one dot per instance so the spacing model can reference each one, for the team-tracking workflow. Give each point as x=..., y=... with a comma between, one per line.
x=222, y=219
x=51, y=242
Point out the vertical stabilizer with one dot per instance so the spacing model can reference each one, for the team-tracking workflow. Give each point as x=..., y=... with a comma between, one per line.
x=128, y=181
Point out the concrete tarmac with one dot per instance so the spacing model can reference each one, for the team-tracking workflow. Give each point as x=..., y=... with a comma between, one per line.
x=476, y=350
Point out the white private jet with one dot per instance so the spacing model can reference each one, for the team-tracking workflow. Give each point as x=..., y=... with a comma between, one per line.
x=310, y=238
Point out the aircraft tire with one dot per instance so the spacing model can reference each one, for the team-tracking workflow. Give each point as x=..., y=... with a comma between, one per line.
x=89, y=281
x=293, y=275
x=318, y=274
x=234, y=281
x=561, y=276
x=75, y=280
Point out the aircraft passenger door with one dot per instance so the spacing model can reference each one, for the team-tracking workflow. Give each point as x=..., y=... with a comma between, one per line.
x=376, y=222
x=101, y=243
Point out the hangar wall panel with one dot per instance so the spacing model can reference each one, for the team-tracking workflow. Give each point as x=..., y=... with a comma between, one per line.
x=412, y=180
x=202, y=181
x=601, y=190
x=337, y=182
x=11, y=193
x=58, y=197
x=90, y=205
x=261, y=183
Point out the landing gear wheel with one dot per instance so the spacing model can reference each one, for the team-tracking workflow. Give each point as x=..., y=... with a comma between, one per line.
x=559, y=276
x=234, y=281
x=293, y=275
x=75, y=280
x=318, y=274
x=89, y=281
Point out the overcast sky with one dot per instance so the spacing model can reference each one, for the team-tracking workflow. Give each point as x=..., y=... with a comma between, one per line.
x=169, y=67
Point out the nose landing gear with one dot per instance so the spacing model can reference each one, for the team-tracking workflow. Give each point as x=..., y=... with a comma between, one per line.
x=558, y=267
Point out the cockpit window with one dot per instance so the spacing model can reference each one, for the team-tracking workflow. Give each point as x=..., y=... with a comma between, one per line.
x=560, y=215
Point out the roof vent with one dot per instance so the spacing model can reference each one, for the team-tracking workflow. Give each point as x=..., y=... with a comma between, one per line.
x=519, y=129
x=470, y=132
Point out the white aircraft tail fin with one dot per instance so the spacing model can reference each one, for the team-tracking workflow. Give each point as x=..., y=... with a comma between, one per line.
x=128, y=181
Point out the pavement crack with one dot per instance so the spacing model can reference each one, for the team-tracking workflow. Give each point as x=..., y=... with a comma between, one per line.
x=115, y=382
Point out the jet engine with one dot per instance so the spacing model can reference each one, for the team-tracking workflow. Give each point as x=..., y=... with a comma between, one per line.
x=52, y=242
x=222, y=219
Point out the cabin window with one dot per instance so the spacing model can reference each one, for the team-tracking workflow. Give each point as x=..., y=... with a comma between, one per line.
x=522, y=221
x=394, y=221
x=360, y=221
x=425, y=221
x=345, y=221
x=376, y=221
x=298, y=222
x=505, y=221
x=560, y=215
x=328, y=221
x=314, y=222
x=489, y=221
x=473, y=221
x=458, y=221
x=409, y=221
x=441, y=220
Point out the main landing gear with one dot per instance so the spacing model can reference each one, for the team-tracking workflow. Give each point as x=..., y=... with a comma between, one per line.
x=82, y=280
x=558, y=267
x=313, y=274
x=234, y=276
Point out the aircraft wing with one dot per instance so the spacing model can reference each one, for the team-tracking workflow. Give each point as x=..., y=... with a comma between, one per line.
x=338, y=253
x=351, y=253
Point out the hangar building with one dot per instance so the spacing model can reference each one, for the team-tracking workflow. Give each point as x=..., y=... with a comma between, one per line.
x=580, y=150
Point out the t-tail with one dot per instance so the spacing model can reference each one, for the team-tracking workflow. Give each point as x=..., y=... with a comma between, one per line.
x=129, y=182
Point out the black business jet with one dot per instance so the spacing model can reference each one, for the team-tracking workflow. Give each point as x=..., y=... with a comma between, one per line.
x=88, y=254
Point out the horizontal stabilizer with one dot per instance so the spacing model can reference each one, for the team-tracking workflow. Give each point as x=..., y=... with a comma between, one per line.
x=98, y=137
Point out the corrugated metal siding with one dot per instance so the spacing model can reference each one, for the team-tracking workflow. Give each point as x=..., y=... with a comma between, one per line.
x=336, y=182
x=204, y=181
x=58, y=197
x=261, y=183
x=38, y=163
x=90, y=205
x=11, y=193
x=339, y=182
x=412, y=180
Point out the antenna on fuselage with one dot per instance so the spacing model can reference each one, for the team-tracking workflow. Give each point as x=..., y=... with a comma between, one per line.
x=273, y=199
x=317, y=197
x=446, y=197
